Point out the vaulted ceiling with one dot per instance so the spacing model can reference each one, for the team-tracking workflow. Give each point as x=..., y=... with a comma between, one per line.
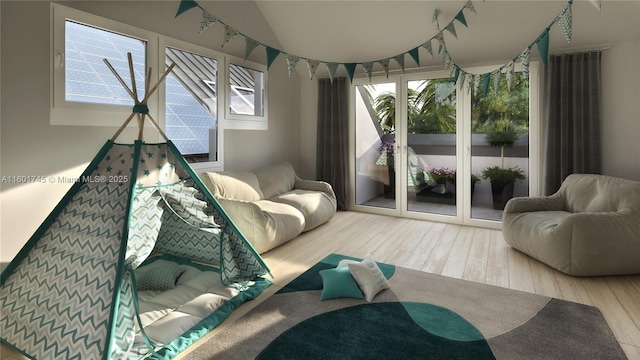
x=359, y=31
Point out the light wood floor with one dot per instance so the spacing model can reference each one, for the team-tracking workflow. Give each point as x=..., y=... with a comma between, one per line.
x=463, y=252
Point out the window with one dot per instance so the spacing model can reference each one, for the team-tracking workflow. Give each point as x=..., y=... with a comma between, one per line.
x=87, y=78
x=85, y=92
x=247, y=104
x=191, y=104
x=246, y=93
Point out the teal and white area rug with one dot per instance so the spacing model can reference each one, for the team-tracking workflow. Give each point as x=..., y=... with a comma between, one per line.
x=422, y=316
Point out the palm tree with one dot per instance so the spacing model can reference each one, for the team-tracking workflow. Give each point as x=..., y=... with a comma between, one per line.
x=385, y=107
x=426, y=113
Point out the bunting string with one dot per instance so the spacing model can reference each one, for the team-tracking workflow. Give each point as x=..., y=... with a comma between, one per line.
x=563, y=20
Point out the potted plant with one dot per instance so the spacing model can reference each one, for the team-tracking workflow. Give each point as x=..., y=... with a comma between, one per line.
x=443, y=175
x=502, y=134
x=474, y=180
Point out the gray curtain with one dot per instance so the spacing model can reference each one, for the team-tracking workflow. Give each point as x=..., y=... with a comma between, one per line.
x=572, y=116
x=332, y=150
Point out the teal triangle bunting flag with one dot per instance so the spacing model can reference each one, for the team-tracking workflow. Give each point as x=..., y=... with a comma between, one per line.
x=186, y=5
x=485, y=84
x=414, y=54
x=351, y=68
x=460, y=17
x=272, y=54
x=543, y=46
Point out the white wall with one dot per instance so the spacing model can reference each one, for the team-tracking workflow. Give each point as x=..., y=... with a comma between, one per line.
x=31, y=146
x=621, y=110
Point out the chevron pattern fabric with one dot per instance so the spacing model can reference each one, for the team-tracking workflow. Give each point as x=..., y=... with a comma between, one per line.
x=180, y=239
x=56, y=305
x=144, y=225
x=125, y=331
x=58, y=300
x=238, y=262
x=183, y=201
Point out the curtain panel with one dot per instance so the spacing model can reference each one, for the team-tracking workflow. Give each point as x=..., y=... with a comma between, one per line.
x=332, y=145
x=572, y=114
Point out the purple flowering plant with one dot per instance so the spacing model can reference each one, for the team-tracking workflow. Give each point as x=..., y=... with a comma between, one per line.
x=387, y=146
x=443, y=174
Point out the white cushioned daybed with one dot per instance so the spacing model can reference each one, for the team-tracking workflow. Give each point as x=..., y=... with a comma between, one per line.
x=179, y=299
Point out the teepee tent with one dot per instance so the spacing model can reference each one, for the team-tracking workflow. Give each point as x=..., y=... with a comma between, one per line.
x=70, y=293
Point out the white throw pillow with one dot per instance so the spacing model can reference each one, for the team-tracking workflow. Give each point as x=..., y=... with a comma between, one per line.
x=369, y=277
x=346, y=262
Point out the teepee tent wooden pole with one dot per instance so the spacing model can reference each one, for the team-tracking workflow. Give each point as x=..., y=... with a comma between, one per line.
x=147, y=79
x=115, y=73
x=155, y=87
x=124, y=125
x=140, y=109
x=155, y=124
x=133, y=77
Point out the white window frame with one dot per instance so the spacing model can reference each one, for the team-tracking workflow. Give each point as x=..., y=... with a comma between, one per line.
x=238, y=121
x=463, y=133
x=217, y=165
x=88, y=114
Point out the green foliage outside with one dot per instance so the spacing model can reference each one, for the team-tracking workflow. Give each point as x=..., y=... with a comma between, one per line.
x=500, y=174
x=505, y=106
x=432, y=107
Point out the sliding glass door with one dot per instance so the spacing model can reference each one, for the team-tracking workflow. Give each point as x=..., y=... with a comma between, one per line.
x=428, y=147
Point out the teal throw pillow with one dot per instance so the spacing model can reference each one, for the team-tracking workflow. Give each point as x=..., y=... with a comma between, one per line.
x=160, y=278
x=338, y=282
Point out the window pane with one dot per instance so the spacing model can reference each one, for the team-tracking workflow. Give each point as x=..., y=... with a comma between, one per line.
x=500, y=145
x=191, y=98
x=246, y=91
x=431, y=141
x=375, y=166
x=87, y=78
